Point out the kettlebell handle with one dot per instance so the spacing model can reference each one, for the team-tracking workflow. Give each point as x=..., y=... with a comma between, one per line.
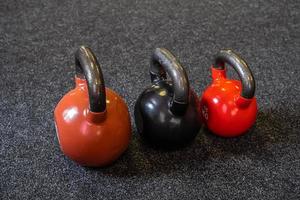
x=87, y=67
x=241, y=67
x=163, y=62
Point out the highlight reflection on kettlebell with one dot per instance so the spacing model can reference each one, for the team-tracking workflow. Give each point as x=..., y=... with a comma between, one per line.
x=92, y=121
x=166, y=113
x=229, y=107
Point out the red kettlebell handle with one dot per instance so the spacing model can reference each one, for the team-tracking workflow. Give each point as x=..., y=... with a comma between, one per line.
x=163, y=62
x=87, y=67
x=241, y=67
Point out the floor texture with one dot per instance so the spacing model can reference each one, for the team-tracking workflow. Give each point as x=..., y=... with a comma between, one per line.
x=37, y=44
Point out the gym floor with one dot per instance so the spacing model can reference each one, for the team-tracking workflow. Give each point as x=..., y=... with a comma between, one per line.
x=37, y=44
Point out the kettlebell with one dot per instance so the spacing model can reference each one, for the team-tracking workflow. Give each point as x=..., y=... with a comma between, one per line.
x=229, y=107
x=167, y=113
x=92, y=121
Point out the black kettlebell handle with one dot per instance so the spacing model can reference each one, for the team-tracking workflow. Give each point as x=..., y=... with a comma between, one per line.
x=241, y=67
x=87, y=66
x=163, y=62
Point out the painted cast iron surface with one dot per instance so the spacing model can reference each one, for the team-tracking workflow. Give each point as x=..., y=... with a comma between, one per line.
x=228, y=107
x=89, y=133
x=38, y=39
x=166, y=113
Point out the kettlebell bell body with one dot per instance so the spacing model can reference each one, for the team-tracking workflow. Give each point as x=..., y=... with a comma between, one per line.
x=92, y=122
x=167, y=113
x=228, y=107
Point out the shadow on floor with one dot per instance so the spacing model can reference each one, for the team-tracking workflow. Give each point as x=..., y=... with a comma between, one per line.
x=271, y=127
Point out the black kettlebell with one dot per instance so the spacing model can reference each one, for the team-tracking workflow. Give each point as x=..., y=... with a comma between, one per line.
x=166, y=113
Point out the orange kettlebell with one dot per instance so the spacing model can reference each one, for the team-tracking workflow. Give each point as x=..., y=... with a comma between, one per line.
x=92, y=122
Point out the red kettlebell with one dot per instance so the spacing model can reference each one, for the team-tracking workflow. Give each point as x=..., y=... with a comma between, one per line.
x=92, y=122
x=228, y=107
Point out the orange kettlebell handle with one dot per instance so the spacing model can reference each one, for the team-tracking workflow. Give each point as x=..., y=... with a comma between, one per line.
x=87, y=67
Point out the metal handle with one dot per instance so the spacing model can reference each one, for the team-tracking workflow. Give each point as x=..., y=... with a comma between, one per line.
x=241, y=67
x=164, y=62
x=87, y=67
